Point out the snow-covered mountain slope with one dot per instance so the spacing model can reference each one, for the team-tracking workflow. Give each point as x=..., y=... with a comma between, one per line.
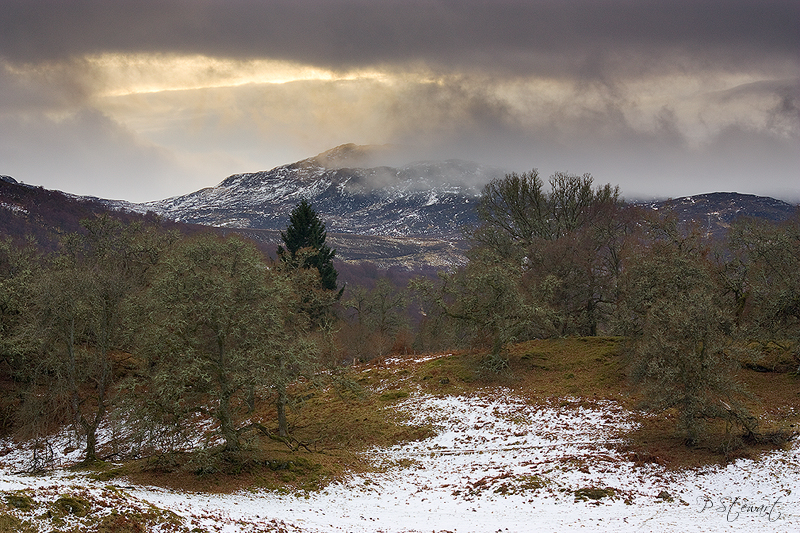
x=356, y=195
x=431, y=198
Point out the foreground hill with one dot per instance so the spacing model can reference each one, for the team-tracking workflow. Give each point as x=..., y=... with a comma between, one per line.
x=430, y=443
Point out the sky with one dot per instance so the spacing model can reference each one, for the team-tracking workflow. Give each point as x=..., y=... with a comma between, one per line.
x=145, y=99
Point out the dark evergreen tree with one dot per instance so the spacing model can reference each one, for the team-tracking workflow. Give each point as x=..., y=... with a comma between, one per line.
x=305, y=244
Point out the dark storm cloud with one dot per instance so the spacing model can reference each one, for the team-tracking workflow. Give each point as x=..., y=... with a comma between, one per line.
x=663, y=97
x=577, y=37
x=56, y=88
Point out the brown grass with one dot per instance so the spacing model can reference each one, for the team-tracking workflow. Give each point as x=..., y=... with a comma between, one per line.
x=337, y=423
x=594, y=368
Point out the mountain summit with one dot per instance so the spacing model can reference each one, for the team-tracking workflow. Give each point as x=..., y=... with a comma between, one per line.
x=355, y=156
x=424, y=198
x=356, y=195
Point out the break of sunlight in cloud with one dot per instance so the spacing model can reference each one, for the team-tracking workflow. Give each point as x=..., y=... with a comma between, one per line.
x=192, y=120
x=125, y=74
x=515, y=122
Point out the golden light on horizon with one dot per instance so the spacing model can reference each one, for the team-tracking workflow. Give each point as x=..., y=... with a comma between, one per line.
x=128, y=74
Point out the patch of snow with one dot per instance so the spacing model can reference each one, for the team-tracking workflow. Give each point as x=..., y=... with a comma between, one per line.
x=497, y=463
x=432, y=199
x=13, y=208
x=415, y=358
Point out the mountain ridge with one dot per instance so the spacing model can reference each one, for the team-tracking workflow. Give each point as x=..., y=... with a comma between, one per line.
x=413, y=215
x=714, y=212
x=422, y=198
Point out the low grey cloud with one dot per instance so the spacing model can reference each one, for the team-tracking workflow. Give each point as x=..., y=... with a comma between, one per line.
x=86, y=153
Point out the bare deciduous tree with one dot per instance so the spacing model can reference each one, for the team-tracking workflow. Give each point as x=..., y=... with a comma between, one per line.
x=568, y=239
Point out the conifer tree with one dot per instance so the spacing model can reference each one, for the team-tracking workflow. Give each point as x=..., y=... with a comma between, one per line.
x=305, y=244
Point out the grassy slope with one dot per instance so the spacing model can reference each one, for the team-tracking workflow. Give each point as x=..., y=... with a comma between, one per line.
x=339, y=423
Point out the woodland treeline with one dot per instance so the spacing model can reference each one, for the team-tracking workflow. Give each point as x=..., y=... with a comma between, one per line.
x=133, y=326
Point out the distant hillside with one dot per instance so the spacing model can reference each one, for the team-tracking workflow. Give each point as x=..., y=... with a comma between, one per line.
x=412, y=216
x=420, y=199
x=44, y=214
x=715, y=212
x=29, y=211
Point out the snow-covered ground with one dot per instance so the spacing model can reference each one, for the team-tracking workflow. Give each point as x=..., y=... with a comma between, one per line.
x=496, y=464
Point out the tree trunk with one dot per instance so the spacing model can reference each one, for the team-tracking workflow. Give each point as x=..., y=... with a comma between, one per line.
x=224, y=410
x=283, y=425
x=91, y=443
x=591, y=315
x=91, y=427
x=226, y=423
x=251, y=399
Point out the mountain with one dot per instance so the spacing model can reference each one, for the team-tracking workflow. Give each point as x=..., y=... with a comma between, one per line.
x=422, y=199
x=410, y=215
x=715, y=212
